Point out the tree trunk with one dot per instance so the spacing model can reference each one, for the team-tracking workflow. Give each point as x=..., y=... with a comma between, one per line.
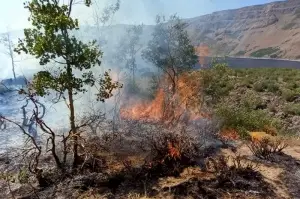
x=74, y=135
x=73, y=128
x=11, y=53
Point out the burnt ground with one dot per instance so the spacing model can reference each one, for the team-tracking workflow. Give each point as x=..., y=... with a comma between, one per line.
x=124, y=175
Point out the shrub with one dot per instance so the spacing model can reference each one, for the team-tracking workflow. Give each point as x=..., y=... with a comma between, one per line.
x=292, y=85
x=171, y=152
x=288, y=95
x=259, y=86
x=217, y=82
x=230, y=170
x=292, y=109
x=240, y=53
x=274, y=56
x=243, y=119
x=264, y=52
x=252, y=101
x=266, y=85
x=264, y=148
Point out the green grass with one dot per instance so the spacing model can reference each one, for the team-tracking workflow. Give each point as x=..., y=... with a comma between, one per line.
x=264, y=52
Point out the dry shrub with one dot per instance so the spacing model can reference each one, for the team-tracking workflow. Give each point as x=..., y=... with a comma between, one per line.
x=270, y=130
x=91, y=157
x=264, y=148
x=231, y=171
x=171, y=152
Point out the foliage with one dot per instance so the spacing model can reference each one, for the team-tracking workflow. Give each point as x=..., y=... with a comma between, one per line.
x=252, y=101
x=264, y=52
x=293, y=109
x=217, y=82
x=243, y=119
x=128, y=49
x=240, y=53
x=49, y=40
x=266, y=85
x=288, y=94
x=266, y=147
x=170, y=49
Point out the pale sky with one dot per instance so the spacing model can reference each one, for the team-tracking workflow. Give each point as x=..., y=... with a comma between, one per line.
x=14, y=16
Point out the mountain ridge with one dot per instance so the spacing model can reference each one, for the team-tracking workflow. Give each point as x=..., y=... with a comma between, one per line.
x=268, y=30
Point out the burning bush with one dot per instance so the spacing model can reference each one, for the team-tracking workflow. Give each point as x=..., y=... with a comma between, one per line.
x=172, y=152
x=168, y=107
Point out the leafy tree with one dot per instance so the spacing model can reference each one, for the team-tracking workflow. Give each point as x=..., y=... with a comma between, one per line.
x=50, y=40
x=170, y=49
x=127, y=52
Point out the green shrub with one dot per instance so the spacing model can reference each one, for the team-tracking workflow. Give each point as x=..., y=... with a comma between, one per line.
x=240, y=53
x=264, y=52
x=292, y=85
x=288, y=94
x=252, y=101
x=292, y=109
x=243, y=119
x=266, y=85
x=217, y=81
x=272, y=86
x=274, y=56
x=259, y=86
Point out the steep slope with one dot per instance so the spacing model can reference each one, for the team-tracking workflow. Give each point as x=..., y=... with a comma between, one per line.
x=259, y=31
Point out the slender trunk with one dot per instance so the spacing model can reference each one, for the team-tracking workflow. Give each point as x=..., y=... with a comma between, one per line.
x=73, y=127
x=133, y=80
x=74, y=134
x=11, y=53
x=13, y=67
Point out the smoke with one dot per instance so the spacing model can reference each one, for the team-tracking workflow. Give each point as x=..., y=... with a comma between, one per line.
x=109, y=38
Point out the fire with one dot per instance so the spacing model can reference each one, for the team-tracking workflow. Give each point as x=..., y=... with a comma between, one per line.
x=150, y=111
x=183, y=106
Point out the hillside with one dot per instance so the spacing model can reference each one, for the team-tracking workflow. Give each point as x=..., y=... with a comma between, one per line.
x=269, y=30
x=263, y=30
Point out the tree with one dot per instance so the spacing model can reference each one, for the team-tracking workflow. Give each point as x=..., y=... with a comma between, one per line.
x=9, y=50
x=50, y=41
x=102, y=19
x=127, y=51
x=170, y=49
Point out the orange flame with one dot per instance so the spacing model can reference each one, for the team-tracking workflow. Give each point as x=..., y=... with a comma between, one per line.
x=183, y=106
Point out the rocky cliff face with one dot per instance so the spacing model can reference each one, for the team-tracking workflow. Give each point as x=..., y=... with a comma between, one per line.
x=270, y=30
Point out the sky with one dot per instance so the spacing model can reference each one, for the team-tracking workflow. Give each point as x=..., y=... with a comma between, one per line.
x=14, y=17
